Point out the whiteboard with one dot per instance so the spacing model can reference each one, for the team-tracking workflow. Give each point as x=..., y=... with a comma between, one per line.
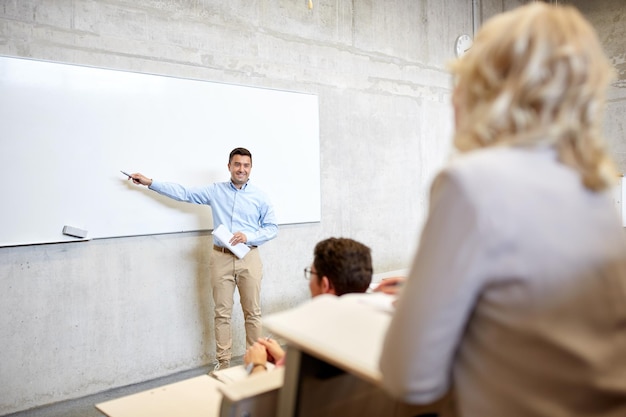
x=67, y=131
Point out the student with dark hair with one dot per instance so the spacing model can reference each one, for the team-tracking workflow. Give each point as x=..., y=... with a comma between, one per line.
x=340, y=266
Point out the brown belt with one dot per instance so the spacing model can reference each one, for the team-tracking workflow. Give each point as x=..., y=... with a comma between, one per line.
x=226, y=250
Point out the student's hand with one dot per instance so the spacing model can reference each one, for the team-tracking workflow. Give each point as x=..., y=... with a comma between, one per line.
x=255, y=354
x=141, y=179
x=390, y=285
x=274, y=352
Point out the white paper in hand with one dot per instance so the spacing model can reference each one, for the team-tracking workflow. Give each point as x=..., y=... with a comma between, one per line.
x=224, y=235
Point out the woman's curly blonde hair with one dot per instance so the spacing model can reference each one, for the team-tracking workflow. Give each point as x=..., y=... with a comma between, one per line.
x=537, y=76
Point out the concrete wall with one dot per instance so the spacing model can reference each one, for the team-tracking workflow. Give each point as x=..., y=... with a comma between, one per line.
x=79, y=318
x=609, y=19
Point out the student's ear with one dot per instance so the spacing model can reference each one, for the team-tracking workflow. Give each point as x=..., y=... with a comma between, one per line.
x=326, y=286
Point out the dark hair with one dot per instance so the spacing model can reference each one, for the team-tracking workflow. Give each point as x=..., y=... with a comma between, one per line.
x=239, y=151
x=345, y=262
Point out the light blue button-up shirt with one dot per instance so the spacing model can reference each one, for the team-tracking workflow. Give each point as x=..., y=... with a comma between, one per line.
x=247, y=210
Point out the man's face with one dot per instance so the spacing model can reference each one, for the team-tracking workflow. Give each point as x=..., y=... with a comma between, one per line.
x=240, y=167
x=315, y=283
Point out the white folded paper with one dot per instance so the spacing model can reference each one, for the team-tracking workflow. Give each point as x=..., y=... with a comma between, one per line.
x=224, y=235
x=236, y=373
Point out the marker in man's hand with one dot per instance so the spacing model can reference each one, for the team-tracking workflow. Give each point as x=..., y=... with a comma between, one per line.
x=127, y=174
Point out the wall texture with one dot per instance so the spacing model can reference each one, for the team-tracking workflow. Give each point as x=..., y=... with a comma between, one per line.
x=79, y=318
x=609, y=19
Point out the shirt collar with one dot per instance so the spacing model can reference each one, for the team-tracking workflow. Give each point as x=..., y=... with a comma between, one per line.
x=243, y=187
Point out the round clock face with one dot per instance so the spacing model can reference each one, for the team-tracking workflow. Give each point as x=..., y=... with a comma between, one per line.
x=463, y=44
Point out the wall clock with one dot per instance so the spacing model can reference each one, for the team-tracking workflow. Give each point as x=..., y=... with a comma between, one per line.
x=462, y=44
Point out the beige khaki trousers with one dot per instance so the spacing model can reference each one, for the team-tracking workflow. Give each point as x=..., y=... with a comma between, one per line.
x=227, y=272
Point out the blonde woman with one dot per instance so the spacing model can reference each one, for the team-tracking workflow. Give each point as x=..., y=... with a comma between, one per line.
x=517, y=295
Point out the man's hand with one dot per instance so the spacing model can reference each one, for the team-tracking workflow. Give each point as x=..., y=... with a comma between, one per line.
x=140, y=179
x=238, y=237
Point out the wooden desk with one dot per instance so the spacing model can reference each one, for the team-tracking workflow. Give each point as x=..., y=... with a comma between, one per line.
x=203, y=396
x=195, y=397
x=334, y=344
x=344, y=331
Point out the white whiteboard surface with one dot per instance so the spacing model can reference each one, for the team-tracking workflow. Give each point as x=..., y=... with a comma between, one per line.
x=67, y=131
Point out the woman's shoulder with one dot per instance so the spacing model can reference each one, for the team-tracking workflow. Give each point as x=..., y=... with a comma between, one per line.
x=502, y=161
x=503, y=156
x=498, y=170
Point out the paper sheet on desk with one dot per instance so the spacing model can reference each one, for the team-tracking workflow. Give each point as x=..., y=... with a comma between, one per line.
x=224, y=235
x=378, y=301
x=236, y=373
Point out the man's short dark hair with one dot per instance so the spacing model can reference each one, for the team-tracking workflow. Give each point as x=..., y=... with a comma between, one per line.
x=239, y=151
x=345, y=262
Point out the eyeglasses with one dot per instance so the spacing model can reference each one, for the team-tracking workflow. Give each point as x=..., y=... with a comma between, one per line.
x=308, y=272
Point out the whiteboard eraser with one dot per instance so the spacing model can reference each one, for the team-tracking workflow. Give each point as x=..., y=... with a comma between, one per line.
x=74, y=231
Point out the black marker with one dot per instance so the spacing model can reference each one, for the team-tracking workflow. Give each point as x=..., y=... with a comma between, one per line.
x=127, y=174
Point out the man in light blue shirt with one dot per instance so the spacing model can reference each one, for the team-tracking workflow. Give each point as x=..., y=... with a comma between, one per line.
x=247, y=212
